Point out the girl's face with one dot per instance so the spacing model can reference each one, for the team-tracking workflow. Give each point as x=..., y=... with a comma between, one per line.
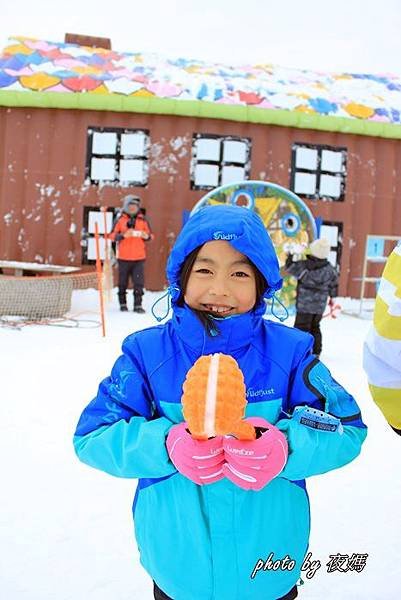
x=221, y=282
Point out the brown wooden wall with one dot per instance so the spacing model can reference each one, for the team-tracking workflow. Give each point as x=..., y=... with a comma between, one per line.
x=43, y=190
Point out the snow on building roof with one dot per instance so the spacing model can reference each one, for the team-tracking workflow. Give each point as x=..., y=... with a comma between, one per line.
x=57, y=75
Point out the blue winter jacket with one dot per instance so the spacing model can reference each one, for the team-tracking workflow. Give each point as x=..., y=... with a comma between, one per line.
x=203, y=542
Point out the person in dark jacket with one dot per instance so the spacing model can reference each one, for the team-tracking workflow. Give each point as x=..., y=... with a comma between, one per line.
x=131, y=230
x=317, y=282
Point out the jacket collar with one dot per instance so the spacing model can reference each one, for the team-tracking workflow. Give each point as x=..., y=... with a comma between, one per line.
x=313, y=262
x=234, y=332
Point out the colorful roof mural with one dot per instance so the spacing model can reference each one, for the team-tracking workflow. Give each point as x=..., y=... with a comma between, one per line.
x=56, y=75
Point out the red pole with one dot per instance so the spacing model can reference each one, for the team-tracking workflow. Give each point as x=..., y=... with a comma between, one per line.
x=106, y=245
x=99, y=279
x=107, y=270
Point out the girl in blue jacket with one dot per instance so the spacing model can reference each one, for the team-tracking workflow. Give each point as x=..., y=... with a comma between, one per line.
x=219, y=540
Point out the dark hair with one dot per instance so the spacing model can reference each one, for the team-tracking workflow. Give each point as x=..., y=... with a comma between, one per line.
x=204, y=317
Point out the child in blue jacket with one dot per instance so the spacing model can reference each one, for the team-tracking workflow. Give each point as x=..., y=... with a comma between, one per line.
x=207, y=541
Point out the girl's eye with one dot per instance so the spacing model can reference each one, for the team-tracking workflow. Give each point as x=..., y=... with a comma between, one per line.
x=241, y=274
x=203, y=270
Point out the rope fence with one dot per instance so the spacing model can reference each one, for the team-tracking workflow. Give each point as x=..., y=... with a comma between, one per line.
x=43, y=299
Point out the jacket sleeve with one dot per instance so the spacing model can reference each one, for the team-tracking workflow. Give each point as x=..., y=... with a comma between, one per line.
x=118, y=432
x=147, y=229
x=333, y=287
x=382, y=348
x=296, y=269
x=117, y=234
x=289, y=260
x=312, y=450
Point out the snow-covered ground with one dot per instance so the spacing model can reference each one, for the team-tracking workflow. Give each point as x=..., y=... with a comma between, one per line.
x=66, y=530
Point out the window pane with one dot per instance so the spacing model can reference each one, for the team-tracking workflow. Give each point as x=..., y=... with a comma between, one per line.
x=306, y=158
x=96, y=216
x=206, y=175
x=330, y=232
x=330, y=186
x=132, y=171
x=91, y=248
x=332, y=161
x=333, y=258
x=207, y=149
x=305, y=183
x=103, y=169
x=375, y=247
x=104, y=143
x=133, y=144
x=232, y=175
x=234, y=151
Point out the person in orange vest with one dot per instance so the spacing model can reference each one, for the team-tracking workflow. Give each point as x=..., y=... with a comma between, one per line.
x=131, y=230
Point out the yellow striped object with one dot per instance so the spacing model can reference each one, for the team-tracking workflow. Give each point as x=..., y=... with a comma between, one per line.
x=382, y=349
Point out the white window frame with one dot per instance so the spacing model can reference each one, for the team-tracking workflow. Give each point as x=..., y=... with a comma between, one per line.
x=92, y=215
x=336, y=246
x=93, y=157
x=319, y=171
x=219, y=161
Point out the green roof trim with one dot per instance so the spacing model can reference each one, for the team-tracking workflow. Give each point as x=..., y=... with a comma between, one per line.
x=198, y=109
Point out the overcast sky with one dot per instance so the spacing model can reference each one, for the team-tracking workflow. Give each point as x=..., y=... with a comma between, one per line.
x=339, y=35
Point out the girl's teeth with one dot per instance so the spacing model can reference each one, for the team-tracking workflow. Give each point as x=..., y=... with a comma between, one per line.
x=218, y=309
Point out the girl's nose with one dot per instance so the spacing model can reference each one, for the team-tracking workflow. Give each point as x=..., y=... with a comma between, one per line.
x=218, y=287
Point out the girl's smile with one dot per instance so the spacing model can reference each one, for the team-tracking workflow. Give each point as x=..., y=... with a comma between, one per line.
x=220, y=310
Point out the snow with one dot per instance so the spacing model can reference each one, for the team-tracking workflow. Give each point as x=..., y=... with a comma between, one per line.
x=66, y=529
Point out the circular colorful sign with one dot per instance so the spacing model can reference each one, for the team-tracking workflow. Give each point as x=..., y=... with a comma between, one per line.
x=288, y=220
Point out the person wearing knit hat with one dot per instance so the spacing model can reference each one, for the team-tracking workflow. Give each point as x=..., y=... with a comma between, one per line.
x=128, y=200
x=131, y=230
x=317, y=282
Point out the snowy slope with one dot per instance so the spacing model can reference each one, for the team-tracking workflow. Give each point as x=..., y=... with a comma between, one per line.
x=66, y=530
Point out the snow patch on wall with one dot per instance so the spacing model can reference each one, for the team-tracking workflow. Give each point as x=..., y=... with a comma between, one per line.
x=45, y=190
x=8, y=217
x=22, y=240
x=179, y=145
x=165, y=155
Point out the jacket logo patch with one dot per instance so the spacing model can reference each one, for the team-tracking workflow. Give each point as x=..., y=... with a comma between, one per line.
x=220, y=235
x=251, y=393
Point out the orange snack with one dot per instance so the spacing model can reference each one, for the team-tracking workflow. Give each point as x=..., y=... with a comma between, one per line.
x=214, y=399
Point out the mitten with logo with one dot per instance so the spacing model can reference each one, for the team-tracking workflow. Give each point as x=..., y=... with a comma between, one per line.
x=216, y=441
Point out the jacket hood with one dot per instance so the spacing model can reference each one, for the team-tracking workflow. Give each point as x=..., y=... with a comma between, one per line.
x=241, y=227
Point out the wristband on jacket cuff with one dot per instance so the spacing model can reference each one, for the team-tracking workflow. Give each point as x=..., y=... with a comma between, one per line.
x=317, y=419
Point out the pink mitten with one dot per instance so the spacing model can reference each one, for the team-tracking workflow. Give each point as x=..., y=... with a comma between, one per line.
x=199, y=460
x=252, y=464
